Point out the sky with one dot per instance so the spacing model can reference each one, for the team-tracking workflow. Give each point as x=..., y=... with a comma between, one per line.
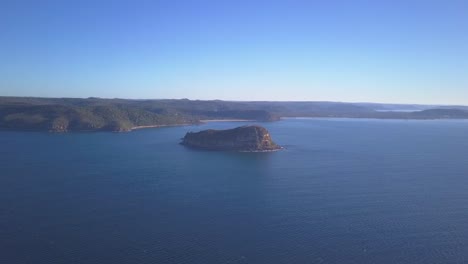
x=353, y=51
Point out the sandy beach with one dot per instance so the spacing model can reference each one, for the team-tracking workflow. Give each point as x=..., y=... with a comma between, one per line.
x=226, y=120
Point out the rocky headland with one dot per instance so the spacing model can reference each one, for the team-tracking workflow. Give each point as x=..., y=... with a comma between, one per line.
x=121, y=115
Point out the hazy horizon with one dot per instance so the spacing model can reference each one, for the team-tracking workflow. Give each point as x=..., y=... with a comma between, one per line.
x=196, y=99
x=399, y=52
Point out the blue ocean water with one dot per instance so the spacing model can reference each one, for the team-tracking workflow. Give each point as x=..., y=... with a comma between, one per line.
x=343, y=191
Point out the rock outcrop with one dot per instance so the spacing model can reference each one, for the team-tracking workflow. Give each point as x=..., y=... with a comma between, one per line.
x=245, y=138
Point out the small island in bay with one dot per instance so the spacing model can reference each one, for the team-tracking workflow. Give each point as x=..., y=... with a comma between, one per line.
x=244, y=138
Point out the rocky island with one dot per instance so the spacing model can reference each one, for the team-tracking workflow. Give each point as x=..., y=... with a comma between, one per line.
x=245, y=138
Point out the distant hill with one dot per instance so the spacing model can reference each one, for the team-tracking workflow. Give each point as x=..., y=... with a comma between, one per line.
x=62, y=118
x=96, y=114
x=442, y=113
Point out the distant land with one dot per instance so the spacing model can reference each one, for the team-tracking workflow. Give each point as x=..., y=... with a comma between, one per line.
x=98, y=114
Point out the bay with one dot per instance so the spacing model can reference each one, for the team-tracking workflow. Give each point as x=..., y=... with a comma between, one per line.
x=342, y=191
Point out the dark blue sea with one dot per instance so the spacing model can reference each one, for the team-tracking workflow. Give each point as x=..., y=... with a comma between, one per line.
x=342, y=191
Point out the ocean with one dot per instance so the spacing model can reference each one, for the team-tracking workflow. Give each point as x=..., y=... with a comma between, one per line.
x=342, y=191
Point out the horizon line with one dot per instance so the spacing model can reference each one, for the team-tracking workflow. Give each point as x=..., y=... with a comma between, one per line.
x=224, y=100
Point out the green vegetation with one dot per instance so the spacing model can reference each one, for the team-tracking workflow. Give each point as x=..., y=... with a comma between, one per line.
x=245, y=138
x=95, y=114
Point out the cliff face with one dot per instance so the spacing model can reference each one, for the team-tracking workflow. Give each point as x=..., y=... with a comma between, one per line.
x=245, y=138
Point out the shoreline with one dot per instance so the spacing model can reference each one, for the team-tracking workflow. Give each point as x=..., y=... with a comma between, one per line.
x=369, y=118
x=204, y=121
x=156, y=126
x=226, y=120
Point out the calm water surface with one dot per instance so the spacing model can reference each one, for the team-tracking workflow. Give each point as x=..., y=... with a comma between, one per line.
x=343, y=191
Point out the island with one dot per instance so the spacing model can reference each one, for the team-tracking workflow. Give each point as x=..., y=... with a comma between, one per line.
x=245, y=138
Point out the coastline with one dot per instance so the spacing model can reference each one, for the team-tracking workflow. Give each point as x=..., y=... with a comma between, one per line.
x=226, y=120
x=156, y=126
x=261, y=151
x=370, y=118
x=188, y=124
x=203, y=121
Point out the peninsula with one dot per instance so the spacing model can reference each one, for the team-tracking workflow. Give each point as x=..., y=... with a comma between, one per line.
x=244, y=138
x=98, y=114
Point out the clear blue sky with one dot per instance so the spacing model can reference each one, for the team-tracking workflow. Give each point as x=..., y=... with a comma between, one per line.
x=380, y=51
